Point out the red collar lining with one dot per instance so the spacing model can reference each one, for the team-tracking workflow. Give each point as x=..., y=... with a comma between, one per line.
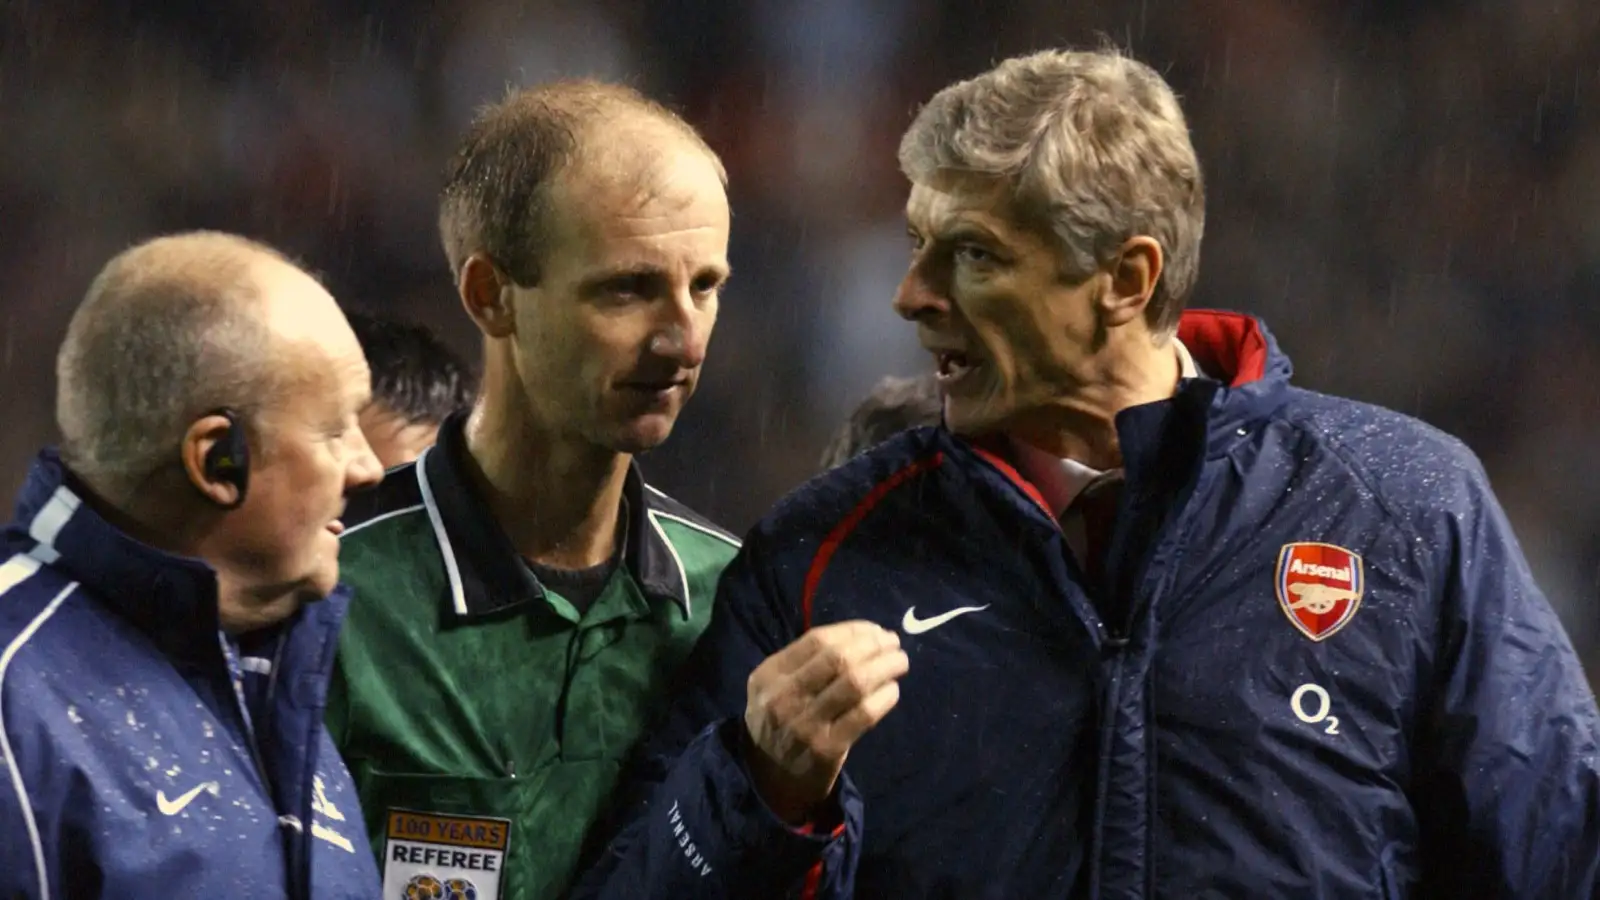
x=1227, y=343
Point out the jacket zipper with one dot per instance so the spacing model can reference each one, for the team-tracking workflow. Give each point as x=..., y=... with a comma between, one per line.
x=242, y=708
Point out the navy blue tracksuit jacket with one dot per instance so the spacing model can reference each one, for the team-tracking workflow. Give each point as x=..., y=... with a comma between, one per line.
x=1326, y=673
x=144, y=756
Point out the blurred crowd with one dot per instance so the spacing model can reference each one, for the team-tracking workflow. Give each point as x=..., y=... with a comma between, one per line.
x=1408, y=192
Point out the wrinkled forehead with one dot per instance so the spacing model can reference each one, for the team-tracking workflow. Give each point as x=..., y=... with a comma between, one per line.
x=948, y=198
x=652, y=177
x=661, y=208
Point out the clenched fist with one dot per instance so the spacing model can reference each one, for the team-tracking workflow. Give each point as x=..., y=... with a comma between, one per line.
x=810, y=702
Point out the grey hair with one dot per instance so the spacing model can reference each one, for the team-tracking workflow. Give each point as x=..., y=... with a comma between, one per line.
x=1096, y=149
x=497, y=199
x=164, y=335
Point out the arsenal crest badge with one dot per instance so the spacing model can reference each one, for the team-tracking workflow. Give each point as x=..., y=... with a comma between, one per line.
x=1319, y=587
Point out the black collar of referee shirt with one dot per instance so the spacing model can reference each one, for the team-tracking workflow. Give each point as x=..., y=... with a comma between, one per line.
x=489, y=577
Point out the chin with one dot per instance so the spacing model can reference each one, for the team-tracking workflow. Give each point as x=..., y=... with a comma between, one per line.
x=968, y=419
x=643, y=435
x=251, y=600
x=315, y=586
x=973, y=407
x=320, y=588
x=256, y=614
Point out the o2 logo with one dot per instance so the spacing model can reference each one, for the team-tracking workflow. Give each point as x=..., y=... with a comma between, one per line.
x=1311, y=705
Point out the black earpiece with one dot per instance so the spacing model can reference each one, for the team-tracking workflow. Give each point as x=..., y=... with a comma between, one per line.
x=228, y=459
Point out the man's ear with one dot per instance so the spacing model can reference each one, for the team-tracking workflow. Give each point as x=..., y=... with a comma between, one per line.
x=216, y=459
x=1134, y=274
x=486, y=294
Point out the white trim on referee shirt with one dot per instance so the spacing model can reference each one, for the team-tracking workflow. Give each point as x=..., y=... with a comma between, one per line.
x=458, y=594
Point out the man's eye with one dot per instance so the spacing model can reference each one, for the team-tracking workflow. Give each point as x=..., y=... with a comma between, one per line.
x=971, y=253
x=338, y=431
x=625, y=287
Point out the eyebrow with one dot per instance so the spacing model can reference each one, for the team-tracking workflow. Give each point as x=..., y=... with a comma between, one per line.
x=648, y=272
x=952, y=229
x=963, y=229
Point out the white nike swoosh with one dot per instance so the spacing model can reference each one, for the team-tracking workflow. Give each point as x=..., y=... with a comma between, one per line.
x=173, y=807
x=914, y=625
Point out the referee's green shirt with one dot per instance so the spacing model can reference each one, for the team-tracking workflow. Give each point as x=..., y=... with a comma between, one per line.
x=484, y=717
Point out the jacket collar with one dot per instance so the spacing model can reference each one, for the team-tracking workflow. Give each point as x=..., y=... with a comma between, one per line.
x=487, y=575
x=1242, y=378
x=1251, y=375
x=1061, y=480
x=171, y=599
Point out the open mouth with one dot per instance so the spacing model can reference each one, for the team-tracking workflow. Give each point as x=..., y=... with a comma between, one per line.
x=953, y=365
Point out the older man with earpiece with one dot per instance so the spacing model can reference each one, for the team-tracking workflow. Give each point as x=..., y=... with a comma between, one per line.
x=169, y=600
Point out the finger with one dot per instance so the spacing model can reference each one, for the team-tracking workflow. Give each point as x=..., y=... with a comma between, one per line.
x=851, y=633
x=833, y=659
x=862, y=718
x=824, y=731
x=800, y=650
x=858, y=682
x=827, y=638
x=885, y=638
x=848, y=627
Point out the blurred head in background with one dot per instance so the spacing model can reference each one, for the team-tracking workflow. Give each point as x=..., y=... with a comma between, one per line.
x=417, y=381
x=893, y=406
x=1055, y=216
x=587, y=230
x=208, y=399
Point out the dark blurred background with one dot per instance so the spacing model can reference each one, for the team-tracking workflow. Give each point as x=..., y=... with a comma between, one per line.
x=1408, y=192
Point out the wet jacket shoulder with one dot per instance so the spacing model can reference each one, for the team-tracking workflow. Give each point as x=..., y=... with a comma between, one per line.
x=143, y=754
x=1506, y=741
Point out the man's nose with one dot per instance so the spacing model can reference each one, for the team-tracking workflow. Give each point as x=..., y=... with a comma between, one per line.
x=920, y=293
x=364, y=470
x=683, y=338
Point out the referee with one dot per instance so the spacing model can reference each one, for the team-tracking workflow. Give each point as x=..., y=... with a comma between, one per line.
x=523, y=598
